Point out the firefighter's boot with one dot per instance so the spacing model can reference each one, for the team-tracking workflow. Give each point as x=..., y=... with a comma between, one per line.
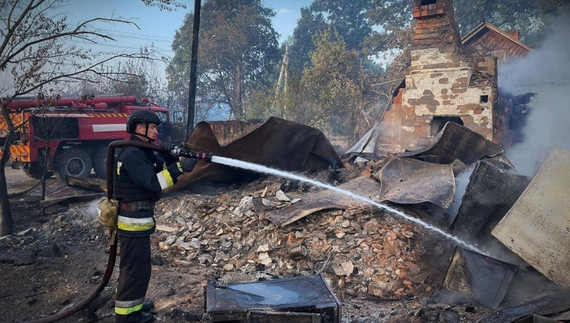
x=135, y=318
x=146, y=318
x=147, y=306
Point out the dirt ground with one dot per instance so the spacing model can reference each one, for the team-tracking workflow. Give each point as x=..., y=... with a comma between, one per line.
x=54, y=260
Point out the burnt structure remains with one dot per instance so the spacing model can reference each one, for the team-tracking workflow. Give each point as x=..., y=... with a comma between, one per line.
x=443, y=85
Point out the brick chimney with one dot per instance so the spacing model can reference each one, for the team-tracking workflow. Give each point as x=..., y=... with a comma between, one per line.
x=514, y=33
x=436, y=27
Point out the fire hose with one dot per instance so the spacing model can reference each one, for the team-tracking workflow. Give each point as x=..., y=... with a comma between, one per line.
x=176, y=152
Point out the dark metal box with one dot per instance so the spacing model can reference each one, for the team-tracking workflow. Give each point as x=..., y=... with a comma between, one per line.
x=307, y=299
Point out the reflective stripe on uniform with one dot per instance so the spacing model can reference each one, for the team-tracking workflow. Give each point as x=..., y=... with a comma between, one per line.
x=165, y=179
x=135, y=224
x=128, y=307
x=119, y=164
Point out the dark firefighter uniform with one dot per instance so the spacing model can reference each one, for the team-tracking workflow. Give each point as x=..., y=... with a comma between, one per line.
x=139, y=183
x=140, y=177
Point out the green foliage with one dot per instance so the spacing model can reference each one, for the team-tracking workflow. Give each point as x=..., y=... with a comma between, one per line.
x=168, y=5
x=553, y=7
x=131, y=79
x=347, y=18
x=237, y=52
x=393, y=18
x=335, y=87
x=523, y=15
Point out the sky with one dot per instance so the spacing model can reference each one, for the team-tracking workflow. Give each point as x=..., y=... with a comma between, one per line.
x=158, y=27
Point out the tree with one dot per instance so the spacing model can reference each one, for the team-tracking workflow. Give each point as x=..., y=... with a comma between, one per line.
x=394, y=19
x=37, y=54
x=337, y=88
x=553, y=7
x=346, y=18
x=238, y=51
x=164, y=4
x=522, y=15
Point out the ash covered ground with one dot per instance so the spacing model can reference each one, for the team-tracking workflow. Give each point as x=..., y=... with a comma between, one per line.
x=381, y=267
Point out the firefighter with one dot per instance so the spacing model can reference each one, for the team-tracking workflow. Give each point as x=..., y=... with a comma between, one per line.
x=140, y=177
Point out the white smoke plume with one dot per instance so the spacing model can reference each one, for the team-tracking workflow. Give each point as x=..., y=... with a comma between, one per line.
x=545, y=71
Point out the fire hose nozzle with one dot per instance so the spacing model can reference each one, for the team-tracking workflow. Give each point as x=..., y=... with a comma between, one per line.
x=207, y=157
x=175, y=152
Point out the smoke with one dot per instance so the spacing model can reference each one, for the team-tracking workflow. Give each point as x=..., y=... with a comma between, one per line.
x=93, y=208
x=545, y=71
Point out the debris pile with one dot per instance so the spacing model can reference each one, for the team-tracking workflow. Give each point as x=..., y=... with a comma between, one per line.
x=381, y=267
x=360, y=250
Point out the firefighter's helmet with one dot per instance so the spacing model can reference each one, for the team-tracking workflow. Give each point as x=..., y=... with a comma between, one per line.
x=141, y=116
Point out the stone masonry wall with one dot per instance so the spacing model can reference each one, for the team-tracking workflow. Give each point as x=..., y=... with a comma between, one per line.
x=441, y=83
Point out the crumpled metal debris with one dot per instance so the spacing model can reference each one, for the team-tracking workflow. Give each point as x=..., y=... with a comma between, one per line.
x=550, y=305
x=274, y=142
x=494, y=186
x=411, y=181
x=480, y=277
x=284, y=214
x=453, y=142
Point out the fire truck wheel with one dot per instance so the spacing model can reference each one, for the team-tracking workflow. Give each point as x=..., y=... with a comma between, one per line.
x=99, y=160
x=36, y=171
x=73, y=162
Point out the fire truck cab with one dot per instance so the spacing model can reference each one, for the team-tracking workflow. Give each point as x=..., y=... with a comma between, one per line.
x=72, y=133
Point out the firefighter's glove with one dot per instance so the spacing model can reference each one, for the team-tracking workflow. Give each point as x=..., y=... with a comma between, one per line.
x=187, y=164
x=108, y=211
x=168, y=158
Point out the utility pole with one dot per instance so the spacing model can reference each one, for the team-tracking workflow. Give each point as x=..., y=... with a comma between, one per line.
x=282, y=74
x=193, y=64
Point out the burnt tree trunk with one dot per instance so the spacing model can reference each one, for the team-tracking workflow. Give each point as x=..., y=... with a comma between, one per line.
x=6, y=225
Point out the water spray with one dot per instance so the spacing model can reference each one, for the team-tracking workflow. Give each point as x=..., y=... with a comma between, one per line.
x=208, y=157
x=272, y=171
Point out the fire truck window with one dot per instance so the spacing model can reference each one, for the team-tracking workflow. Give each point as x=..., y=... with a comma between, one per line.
x=177, y=117
x=55, y=128
x=162, y=116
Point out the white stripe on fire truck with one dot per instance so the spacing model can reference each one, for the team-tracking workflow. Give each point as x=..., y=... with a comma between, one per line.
x=109, y=127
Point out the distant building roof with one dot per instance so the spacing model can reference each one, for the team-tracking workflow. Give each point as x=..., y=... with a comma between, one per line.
x=488, y=40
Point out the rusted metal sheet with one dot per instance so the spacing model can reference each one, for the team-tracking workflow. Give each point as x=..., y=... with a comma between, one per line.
x=275, y=142
x=556, y=302
x=411, y=181
x=295, y=300
x=318, y=201
x=482, y=278
x=493, y=188
x=61, y=192
x=456, y=142
x=536, y=319
x=537, y=227
x=227, y=132
x=366, y=144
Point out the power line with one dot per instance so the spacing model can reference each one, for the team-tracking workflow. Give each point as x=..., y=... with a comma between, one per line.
x=142, y=37
x=139, y=34
x=158, y=49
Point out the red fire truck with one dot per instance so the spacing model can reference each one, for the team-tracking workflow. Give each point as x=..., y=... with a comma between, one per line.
x=73, y=133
